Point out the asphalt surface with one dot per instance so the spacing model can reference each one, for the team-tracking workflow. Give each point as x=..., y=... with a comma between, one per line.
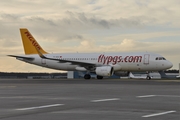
x=23, y=99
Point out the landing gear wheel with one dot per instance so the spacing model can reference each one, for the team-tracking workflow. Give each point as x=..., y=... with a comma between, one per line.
x=148, y=78
x=99, y=77
x=87, y=76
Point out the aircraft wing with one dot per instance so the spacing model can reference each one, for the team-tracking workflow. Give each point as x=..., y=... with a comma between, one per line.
x=16, y=56
x=72, y=62
x=82, y=64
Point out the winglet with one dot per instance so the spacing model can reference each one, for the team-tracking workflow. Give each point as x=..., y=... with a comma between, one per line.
x=30, y=43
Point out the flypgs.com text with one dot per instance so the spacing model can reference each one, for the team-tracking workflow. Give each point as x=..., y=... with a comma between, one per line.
x=117, y=59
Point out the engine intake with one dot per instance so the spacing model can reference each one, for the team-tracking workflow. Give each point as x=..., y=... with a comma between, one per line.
x=104, y=71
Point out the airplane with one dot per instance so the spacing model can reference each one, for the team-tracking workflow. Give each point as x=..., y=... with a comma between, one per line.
x=102, y=64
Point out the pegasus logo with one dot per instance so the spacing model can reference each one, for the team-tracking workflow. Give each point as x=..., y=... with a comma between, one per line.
x=32, y=40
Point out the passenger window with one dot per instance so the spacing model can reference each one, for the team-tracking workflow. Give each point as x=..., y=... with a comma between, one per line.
x=157, y=58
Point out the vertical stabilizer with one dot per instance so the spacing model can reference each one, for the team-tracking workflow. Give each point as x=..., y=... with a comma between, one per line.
x=29, y=43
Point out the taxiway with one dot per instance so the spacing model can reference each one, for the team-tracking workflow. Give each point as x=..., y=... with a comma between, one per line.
x=25, y=99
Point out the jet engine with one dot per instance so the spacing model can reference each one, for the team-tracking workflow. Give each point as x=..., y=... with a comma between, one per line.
x=104, y=71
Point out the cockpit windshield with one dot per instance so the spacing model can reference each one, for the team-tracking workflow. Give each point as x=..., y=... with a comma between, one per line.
x=160, y=58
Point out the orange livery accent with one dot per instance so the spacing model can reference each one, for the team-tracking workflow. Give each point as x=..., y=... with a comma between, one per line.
x=34, y=43
x=29, y=43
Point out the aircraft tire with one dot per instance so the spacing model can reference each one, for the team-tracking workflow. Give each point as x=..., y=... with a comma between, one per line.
x=148, y=78
x=99, y=77
x=87, y=76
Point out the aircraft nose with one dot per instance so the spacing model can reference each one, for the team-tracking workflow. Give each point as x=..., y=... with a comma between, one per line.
x=169, y=65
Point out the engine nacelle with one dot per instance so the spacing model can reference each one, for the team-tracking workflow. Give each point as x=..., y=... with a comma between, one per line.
x=104, y=71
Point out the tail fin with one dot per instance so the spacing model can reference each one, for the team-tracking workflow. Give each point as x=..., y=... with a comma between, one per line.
x=29, y=43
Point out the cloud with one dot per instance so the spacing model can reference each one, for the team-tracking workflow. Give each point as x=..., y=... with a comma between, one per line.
x=149, y=12
x=91, y=26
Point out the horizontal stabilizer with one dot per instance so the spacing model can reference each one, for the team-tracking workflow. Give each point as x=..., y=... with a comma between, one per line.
x=16, y=56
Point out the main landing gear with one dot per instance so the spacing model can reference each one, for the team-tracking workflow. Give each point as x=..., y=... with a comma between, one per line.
x=99, y=77
x=148, y=76
x=88, y=76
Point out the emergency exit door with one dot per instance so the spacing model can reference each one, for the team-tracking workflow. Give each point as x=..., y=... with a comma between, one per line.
x=146, y=58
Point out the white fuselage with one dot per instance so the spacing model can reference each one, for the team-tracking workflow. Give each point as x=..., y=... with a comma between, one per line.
x=140, y=61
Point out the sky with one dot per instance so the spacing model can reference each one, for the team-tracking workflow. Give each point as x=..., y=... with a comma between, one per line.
x=72, y=26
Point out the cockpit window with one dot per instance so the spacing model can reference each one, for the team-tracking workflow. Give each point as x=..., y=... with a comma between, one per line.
x=160, y=58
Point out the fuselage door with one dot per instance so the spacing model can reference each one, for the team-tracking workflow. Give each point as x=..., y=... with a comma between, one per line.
x=146, y=58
